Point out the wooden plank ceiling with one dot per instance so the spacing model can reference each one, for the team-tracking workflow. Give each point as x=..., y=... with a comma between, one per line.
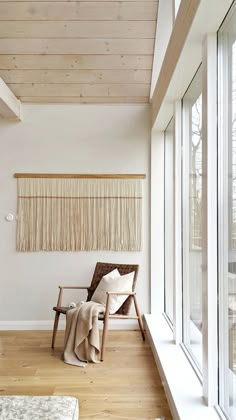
x=78, y=51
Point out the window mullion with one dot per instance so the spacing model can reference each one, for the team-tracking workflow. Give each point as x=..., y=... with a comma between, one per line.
x=157, y=222
x=185, y=217
x=209, y=263
x=177, y=318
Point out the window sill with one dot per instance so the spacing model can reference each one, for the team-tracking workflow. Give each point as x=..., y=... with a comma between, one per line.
x=182, y=387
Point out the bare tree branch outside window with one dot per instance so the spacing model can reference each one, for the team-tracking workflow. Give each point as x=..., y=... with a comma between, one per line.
x=195, y=185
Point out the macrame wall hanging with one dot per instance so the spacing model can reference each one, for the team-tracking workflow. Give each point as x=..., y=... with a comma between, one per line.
x=79, y=212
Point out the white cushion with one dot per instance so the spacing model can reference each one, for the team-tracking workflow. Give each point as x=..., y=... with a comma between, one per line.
x=109, y=283
x=112, y=274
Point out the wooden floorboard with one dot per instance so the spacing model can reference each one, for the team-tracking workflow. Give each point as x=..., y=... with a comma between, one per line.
x=125, y=386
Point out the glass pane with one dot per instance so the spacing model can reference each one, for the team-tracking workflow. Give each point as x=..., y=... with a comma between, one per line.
x=227, y=227
x=192, y=224
x=169, y=219
x=232, y=248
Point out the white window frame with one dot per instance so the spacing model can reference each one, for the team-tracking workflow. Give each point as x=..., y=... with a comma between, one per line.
x=224, y=107
x=178, y=297
x=157, y=223
x=170, y=207
x=210, y=253
x=185, y=397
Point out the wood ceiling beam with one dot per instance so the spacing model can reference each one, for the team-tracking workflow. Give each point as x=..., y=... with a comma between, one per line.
x=184, y=20
x=194, y=20
x=10, y=106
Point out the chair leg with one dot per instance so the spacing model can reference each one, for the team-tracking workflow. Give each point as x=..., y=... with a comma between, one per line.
x=104, y=334
x=139, y=317
x=57, y=315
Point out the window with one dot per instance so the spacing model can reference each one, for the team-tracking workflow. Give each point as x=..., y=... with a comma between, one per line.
x=227, y=214
x=169, y=220
x=192, y=220
x=204, y=287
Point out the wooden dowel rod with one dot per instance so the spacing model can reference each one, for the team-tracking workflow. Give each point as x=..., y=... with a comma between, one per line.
x=94, y=176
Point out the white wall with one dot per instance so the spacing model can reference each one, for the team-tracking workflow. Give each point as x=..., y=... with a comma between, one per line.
x=66, y=139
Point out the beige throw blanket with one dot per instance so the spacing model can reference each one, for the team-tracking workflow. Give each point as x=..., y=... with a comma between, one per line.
x=82, y=334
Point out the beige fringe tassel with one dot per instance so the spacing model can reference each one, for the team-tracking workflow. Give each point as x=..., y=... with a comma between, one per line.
x=79, y=214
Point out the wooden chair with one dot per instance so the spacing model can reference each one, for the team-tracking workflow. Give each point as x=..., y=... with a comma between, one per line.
x=101, y=270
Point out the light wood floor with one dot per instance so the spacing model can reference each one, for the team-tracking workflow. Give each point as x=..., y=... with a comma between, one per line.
x=125, y=386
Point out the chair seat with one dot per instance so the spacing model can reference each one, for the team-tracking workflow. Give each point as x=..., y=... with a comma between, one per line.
x=101, y=316
x=64, y=309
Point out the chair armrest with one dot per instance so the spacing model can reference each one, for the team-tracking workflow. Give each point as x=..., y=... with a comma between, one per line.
x=68, y=287
x=73, y=287
x=121, y=293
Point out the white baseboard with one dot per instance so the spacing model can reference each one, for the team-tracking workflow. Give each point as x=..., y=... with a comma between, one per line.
x=48, y=325
x=29, y=325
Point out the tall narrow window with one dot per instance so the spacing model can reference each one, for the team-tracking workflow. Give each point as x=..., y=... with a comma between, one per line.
x=227, y=214
x=192, y=220
x=169, y=219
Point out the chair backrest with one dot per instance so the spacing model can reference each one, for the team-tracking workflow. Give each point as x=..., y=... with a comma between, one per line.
x=102, y=269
